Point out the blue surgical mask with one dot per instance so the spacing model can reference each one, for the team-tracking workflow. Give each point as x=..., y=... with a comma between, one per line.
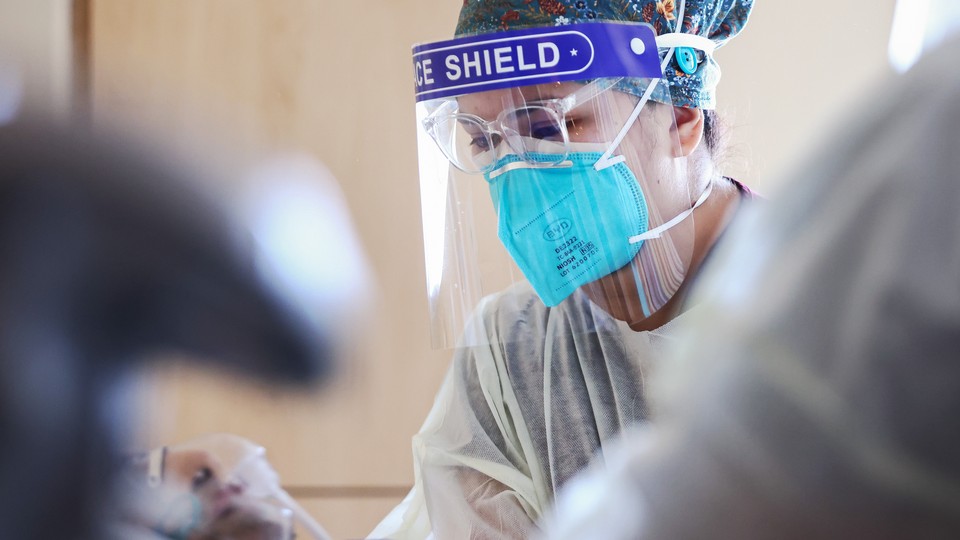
x=569, y=224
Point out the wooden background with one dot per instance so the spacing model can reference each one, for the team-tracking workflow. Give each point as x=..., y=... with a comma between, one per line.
x=331, y=79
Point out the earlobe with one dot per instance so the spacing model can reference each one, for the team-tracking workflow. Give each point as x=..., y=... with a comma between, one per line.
x=689, y=129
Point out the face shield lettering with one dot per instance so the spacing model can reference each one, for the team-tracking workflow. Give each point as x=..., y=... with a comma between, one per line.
x=534, y=56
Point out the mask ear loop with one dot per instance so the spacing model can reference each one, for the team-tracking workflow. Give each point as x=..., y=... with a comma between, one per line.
x=658, y=231
x=605, y=160
x=673, y=40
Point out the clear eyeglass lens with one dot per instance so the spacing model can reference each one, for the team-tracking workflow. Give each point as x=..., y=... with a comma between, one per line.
x=536, y=130
x=463, y=140
x=473, y=147
x=535, y=123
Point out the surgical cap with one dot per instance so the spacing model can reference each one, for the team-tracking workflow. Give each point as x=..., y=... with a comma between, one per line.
x=717, y=20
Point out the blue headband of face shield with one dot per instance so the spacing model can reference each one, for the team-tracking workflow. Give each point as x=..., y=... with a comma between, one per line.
x=535, y=56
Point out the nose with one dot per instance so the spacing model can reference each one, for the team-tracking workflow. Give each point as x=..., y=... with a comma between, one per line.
x=233, y=487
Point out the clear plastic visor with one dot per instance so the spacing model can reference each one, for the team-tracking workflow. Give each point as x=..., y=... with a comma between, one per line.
x=552, y=194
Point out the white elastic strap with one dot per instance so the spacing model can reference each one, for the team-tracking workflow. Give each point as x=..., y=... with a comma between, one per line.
x=315, y=529
x=605, y=161
x=655, y=233
x=679, y=39
x=155, y=466
x=679, y=16
x=529, y=165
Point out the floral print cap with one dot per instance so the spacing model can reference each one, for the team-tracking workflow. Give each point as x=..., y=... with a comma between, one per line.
x=717, y=20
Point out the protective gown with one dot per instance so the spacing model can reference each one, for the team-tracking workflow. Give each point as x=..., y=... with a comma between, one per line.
x=821, y=396
x=515, y=420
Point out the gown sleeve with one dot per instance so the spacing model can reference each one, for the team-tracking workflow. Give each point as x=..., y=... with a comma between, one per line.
x=472, y=475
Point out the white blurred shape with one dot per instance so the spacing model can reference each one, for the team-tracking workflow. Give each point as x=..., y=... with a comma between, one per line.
x=918, y=27
x=11, y=92
x=36, y=40
x=306, y=241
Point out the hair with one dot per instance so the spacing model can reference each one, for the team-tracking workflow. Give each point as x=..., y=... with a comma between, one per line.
x=716, y=136
x=710, y=157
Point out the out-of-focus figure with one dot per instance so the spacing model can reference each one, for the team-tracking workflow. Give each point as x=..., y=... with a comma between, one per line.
x=819, y=395
x=216, y=487
x=109, y=257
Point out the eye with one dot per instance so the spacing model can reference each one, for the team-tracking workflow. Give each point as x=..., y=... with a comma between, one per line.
x=481, y=143
x=201, y=477
x=537, y=121
x=546, y=130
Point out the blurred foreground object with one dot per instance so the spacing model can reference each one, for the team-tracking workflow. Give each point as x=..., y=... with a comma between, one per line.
x=920, y=26
x=307, y=247
x=820, y=395
x=109, y=257
x=216, y=486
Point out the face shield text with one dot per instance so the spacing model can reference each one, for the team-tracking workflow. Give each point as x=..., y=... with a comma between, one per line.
x=475, y=64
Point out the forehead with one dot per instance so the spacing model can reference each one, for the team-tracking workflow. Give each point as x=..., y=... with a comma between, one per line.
x=489, y=104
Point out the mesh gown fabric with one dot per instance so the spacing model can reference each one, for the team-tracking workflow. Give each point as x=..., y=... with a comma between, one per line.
x=820, y=401
x=515, y=420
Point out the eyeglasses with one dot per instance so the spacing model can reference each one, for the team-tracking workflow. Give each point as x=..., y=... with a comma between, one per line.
x=538, y=128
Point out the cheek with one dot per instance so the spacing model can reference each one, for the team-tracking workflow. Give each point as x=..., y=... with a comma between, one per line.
x=650, y=150
x=656, y=129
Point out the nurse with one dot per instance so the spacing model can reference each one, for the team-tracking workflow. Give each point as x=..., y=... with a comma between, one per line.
x=570, y=192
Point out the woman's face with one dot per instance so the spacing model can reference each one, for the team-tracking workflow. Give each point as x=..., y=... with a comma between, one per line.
x=651, y=149
x=227, y=511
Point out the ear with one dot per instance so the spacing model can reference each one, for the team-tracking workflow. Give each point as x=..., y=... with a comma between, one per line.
x=689, y=129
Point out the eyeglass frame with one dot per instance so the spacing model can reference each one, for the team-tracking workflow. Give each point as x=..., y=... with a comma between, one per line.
x=489, y=128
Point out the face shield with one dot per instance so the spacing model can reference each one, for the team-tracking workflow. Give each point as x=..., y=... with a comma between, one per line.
x=545, y=163
x=220, y=486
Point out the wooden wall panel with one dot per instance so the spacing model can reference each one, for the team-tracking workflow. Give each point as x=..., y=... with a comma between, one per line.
x=344, y=517
x=332, y=79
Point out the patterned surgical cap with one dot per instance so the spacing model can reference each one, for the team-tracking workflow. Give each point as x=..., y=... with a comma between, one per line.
x=717, y=20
